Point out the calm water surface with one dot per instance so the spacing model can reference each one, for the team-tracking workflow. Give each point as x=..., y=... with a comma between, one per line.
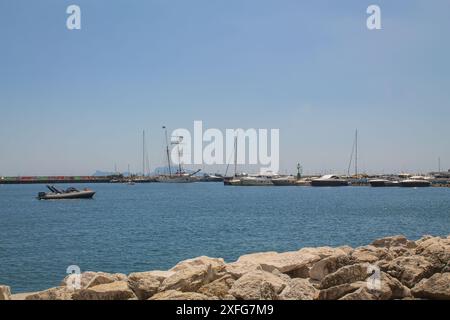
x=153, y=226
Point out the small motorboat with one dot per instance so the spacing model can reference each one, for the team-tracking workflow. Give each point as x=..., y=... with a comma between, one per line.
x=70, y=193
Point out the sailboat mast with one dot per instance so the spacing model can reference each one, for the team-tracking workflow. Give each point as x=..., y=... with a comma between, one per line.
x=167, y=151
x=235, y=156
x=143, y=153
x=356, y=153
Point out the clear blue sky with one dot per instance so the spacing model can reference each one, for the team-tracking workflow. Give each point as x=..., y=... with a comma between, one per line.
x=72, y=102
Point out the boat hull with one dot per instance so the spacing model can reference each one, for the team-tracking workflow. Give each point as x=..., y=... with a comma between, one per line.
x=284, y=182
x=256, y=183
x=380, y=184
x=67, y=196
x=329, y=183
x=415, y=184
x=175, y=179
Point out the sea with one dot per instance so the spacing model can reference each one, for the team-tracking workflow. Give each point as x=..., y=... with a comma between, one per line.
x=142, y=227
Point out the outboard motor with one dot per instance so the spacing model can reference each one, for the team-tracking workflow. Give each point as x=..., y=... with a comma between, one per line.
x=41, y=195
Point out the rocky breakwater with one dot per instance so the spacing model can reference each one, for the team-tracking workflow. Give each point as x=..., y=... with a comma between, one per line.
x=388, y=268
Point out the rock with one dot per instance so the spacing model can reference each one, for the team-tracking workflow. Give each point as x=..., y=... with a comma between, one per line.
x=104, y=278
x=160, y=275
x=389, y=288
x=118, y=290
x=436, y=250
x=347, y=274
x=395, y=241
x=437, y=287
x=344, y=249
x=337, y=292
x=397, y=289
x=281, y=275
x=199, y=261
x=410, y=269
x=360, y=294
x=257, y=258
x=329, y=265
x=58, y=293
x=324, y=252
x=90, y=279
x=189, y=279
x=178, y=295
x=370, y=254
x=218, y=288
x=238, y=269
x=295, y=264
x=299, y=289
x=144, y=284
x=257, y=285
x=5, y=293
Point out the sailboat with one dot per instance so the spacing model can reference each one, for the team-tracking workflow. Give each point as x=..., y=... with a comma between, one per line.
x=180, y=176
x=235, y=180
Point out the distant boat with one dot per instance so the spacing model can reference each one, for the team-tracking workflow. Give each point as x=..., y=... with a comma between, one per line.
x=180, y=176
x=415, y=182
x=256, y=181
x=70, y=193
x=329, y=180
x=211, y=178
x=383, y=183
x=235, y=180
x=285, y=181
x=176, y=178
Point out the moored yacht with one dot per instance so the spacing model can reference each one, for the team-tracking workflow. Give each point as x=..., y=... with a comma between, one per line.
x=415, y=182
x=329, y=180
x=383, y=183
x=285, y=181
x=256, y=181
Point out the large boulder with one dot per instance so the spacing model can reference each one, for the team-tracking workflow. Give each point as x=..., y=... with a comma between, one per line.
x=324, y=252
x=347, y=274
x=144, y=284
x=388, y=288
x=299, y=289
x=294, y=263
x=118, y=290
x=371, y=254
x=5, y=293
x=239, y=268
x=337, y=292
x=91, y=279
x=258, y=285
x=198, y=262
x=436, y=250
x=329, y=265
x=105, y=278
x=178, y=295
x=160, y=275
x=58, y=293
x=437, y=287
x=410, y=269
x=190, y=279
x=394, y=241
x=218, y=288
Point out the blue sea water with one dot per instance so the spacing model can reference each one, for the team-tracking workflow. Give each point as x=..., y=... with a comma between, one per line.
x=154, y=226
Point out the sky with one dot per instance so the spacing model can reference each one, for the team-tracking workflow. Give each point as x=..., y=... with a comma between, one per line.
x=73, y=102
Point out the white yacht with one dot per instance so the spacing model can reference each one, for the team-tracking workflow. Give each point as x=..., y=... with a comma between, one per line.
x=329, y=180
